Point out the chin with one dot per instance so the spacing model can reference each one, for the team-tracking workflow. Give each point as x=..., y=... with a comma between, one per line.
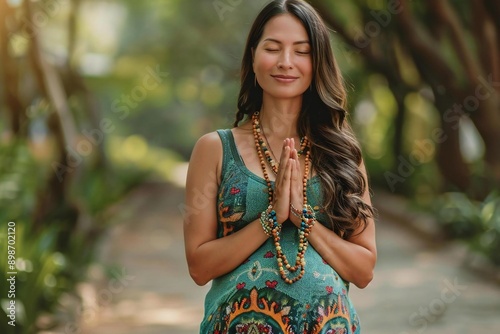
x=288, y=94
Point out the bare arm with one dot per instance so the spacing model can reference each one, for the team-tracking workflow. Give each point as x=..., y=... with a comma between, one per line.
x=207, y=256
x=353, y=259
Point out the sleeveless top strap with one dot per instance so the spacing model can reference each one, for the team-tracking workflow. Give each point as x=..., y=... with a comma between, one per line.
x=230, y=153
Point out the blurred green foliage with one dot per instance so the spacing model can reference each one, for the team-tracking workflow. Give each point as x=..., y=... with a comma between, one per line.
x=42, y=270
x=477, y=222
x=199, y=49
x=52, y=258
x=163, y=73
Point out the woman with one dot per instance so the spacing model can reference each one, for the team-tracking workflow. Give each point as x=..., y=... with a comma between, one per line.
x=289, y=175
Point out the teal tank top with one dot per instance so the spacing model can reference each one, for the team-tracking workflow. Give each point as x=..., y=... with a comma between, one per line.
x=253, y=298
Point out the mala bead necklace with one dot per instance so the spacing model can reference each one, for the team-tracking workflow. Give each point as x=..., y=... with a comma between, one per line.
x=268, y=217
x=266, y=148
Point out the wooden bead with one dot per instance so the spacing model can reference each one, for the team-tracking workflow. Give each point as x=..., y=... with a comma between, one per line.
x=264, y=155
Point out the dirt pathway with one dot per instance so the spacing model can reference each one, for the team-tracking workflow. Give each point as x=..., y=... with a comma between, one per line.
x=420, y=285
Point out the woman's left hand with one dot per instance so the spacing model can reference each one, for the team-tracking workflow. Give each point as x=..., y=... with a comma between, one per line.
x=296, y=186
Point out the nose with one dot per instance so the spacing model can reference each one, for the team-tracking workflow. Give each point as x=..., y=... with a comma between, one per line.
x=285, y=60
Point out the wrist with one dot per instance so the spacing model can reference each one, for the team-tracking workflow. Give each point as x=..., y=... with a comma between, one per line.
x=269, y=221
x=308, y=219
x=295, y=212
x=295, y=215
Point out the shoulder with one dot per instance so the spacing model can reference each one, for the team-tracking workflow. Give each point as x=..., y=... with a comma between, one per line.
x=208, y=146
x=207, y=154
x=209, y=140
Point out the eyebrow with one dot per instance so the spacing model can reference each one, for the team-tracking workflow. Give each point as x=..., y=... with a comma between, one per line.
x=279, y=42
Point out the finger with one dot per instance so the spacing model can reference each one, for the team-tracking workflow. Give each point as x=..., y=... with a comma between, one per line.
x=282, y=192
x=283, y=175
x=294, y=154
x=295, y=193
x=294, y=170
x=285, y=153
x=288, y=172
x=284, y=184
x=297, y=183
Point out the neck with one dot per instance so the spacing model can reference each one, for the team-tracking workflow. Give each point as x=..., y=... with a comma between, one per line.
x=279, y=117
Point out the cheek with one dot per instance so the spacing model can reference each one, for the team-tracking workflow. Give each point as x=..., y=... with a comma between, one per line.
x=306, y=67
x=306, y=70
x=263, y=63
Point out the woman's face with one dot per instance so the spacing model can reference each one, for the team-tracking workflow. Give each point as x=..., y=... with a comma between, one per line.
x=282, y=59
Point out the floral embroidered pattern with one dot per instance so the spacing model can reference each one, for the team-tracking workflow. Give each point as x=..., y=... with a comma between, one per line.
x=231, y=203
x=253, y=299
x=266, y=310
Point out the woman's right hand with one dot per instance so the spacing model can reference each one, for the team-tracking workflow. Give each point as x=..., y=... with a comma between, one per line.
x=281, y=200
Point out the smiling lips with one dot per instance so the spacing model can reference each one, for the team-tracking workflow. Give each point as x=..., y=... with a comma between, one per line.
x=285, y=78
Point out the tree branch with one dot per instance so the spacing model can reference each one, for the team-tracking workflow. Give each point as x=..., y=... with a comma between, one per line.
x=448, y=19
x=51, y=85
x=76, y=84
x=10, y=74
x=484, y=33
x=375, y=62
x=422, y=47
x=492, y=8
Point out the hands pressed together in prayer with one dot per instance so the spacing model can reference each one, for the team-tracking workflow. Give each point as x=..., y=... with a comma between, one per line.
x=289, y=185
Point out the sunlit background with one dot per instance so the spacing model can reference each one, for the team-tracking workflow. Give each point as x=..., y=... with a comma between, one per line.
x=102, y=101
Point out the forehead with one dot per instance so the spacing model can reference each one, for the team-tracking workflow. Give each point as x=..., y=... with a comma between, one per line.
x=285, y=27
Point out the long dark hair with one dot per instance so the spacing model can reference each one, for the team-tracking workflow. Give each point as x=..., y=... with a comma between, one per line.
x=336, y=154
